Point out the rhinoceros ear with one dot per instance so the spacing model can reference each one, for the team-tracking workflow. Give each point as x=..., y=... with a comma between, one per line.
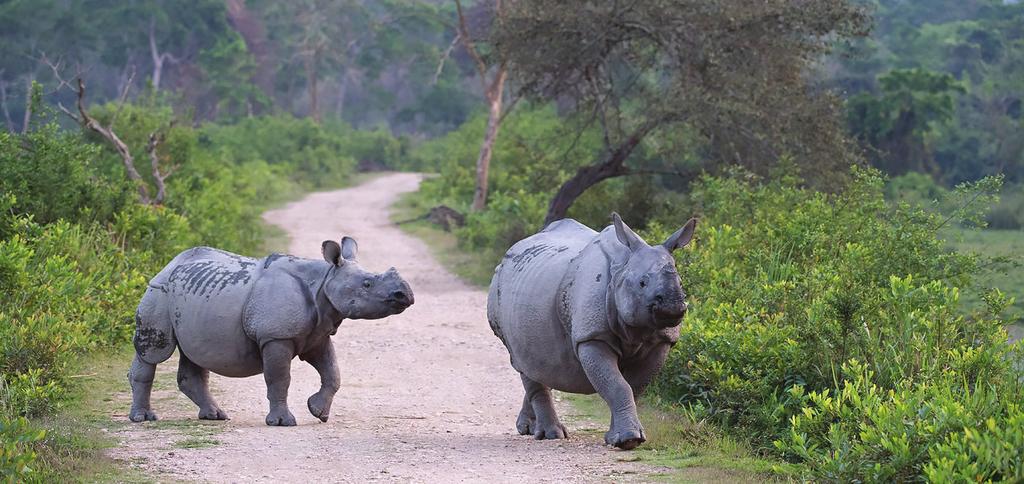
x=332, y=252
x=625, y=234
x=682, y=236
x=349, y=248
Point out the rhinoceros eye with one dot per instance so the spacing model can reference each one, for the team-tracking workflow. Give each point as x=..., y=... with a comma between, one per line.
x=643, y=283
x=367, y=283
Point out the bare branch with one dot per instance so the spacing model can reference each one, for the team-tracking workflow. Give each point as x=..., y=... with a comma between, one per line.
x=55, y=67
x=444, y=57
x=154, y=161
x=508, y=108
x=119, y=146
x=467, y=43
x=123, y=97
x=70, y=114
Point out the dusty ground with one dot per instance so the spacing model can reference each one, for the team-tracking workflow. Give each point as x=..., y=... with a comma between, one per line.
x=426, y=396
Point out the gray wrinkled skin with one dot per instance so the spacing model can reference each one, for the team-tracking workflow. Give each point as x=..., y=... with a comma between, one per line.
x=584, y=312
x=238, y=316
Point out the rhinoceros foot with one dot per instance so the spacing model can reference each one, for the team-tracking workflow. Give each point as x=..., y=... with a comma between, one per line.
x=626, y=439
x=141, y=415
x=319, y=406
x=554, y=430
x=282, y=418
x=525, y=424
x=212, y=413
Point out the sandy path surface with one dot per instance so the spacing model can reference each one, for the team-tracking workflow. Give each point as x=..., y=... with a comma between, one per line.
x=426, y=396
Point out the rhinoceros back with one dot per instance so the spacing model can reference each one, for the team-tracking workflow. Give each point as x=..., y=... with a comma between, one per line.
x=201, y=294
x=522, y=303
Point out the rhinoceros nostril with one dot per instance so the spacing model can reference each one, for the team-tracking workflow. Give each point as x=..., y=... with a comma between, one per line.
x=399, y=296
x=659, y=299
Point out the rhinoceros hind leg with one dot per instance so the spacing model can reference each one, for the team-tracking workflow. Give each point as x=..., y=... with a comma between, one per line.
x=527, y=420
x=140, y=377
x=546, y=424
x=194, y=382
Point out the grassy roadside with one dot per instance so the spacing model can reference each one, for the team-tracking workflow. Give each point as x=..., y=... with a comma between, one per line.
x=476, y=268
x=695, y=451
x=74, y=449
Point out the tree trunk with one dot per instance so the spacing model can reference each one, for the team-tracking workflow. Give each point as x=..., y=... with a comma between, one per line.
x=342, y=88
x=314, y=101
x=28, y=105
x=591, y=175
x=483, y=162
x=3, y=105
x=158, y=58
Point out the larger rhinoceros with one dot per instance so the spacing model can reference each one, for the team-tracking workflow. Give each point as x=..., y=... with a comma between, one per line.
x=238, y=316
x=582, y=311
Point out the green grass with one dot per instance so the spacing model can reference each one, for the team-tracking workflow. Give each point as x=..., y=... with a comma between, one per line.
x=78, y=436
x=695, y=451
x=196, y=443
x=475, y=268
x=1009, y=277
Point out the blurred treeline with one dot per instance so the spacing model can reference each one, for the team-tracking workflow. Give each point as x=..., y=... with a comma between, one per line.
x=368, y=63
x=937, y=88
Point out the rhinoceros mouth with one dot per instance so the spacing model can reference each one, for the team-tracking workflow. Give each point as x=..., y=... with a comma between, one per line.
x=397, y=306
x=665, y=317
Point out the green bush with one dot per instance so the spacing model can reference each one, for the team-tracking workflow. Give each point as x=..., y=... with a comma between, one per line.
x=54, y=176
x=312, y=154
x=945, y=430
x=16, y=455
x=535, y=153
x=807, y=306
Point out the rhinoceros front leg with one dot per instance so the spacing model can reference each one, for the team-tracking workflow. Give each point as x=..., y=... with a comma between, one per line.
x=194, y=382
x=601, y=365
x=545, y=424
x=277, y=371
x=325, y=363
x=641, y=373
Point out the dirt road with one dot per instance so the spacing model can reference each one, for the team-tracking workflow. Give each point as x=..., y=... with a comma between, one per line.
x=426, y=396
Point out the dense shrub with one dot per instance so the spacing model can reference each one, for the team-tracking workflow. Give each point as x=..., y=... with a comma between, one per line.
x=54, y=176
x=831, y=325
x=313, y=154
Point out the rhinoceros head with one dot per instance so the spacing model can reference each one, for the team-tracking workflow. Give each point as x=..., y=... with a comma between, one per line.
x=360, y=294
x=646, y=287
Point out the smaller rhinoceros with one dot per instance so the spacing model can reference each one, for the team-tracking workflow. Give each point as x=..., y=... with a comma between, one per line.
x=581, y=311
x=238, y=316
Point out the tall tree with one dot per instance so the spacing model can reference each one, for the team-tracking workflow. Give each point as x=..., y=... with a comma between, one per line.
x=163, y=32
x=493, y=73
x=323, y=34
x=732, y=72
x=897, y=123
